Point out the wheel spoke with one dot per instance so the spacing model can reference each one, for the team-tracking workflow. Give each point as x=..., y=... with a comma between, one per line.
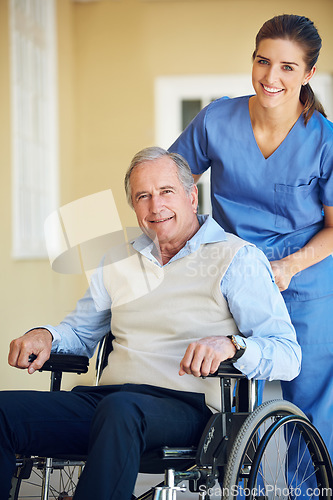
x=63, y=481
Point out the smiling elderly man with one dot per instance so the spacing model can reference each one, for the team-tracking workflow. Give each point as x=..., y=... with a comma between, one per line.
x=188, y=297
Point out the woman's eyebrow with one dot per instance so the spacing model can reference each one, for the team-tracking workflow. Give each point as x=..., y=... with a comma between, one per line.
x=289, y=63
x=282, y=62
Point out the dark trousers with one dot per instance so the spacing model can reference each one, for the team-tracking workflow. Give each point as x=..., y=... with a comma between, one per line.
x=113, y=425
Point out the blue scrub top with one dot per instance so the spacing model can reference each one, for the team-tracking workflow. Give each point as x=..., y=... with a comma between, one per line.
x=275, y=203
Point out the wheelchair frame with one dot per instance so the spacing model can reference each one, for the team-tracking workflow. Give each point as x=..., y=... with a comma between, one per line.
x=231, y=451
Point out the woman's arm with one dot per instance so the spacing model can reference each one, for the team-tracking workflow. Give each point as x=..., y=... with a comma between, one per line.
x=317, y=249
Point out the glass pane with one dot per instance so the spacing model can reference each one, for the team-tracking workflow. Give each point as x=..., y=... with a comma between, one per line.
x=190, y=108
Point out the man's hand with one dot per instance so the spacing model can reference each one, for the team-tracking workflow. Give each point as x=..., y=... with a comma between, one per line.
x=204, y=356
x=38, y=342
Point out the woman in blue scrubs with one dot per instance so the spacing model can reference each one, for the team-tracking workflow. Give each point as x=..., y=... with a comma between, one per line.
x=271, y=160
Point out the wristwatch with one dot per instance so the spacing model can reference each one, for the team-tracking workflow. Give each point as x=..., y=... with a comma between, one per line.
x=240, y=345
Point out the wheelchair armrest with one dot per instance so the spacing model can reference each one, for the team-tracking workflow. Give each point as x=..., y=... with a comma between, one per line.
x=67, y=363
x=227, y=369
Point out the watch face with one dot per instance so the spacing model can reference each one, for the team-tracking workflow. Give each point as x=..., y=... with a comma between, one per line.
x=240, y=345
x=241, y=342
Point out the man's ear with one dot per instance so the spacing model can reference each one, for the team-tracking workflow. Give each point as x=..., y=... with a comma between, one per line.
x=194, y=198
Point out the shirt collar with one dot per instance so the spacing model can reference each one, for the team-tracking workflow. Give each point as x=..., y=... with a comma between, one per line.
x=209, y=232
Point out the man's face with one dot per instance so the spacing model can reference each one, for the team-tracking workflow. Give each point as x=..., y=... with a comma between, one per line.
x=162, y=207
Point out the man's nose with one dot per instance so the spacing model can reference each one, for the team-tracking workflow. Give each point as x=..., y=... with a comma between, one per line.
x=155, y=204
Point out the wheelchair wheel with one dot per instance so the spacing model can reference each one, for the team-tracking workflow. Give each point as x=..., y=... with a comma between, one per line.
x=278, y=454
x=306, y=474
x=29, y=479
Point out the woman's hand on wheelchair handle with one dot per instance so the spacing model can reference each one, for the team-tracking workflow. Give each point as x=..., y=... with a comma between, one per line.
x=37, y=342
x=204, y=356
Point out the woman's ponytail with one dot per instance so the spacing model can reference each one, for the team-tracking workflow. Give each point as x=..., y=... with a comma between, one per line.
x=310, y=102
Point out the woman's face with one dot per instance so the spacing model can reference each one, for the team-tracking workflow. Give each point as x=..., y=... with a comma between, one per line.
x=278, y=72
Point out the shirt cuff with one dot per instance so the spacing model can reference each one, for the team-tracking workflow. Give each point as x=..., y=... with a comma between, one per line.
x=248, y=363
x=56, y=336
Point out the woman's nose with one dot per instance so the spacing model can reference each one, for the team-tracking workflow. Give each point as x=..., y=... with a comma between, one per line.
x=271, y=75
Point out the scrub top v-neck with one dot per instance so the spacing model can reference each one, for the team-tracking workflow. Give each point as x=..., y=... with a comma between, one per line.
x=275, y=203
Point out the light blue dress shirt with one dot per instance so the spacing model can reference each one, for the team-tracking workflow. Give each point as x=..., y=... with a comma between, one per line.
x=248, y=286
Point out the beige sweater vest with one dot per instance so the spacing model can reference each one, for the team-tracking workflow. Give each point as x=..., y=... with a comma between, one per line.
x=158, y=311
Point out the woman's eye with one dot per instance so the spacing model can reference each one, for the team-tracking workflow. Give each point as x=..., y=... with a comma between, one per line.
x=262, y=61
x=287, y=68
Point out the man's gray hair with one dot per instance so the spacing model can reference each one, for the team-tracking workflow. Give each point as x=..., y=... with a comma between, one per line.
x=154, y=153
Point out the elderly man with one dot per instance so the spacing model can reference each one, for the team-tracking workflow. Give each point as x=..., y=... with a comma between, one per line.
x=188, y=297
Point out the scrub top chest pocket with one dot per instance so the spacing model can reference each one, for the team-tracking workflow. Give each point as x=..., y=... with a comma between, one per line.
x=297, y=207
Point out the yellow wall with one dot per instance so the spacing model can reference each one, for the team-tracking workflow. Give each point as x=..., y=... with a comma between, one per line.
x=110, y=53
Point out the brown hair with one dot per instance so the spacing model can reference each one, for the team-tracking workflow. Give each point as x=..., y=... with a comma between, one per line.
x=301, y=30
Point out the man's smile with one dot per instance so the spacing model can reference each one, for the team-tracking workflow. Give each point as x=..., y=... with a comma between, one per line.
x=161, y=220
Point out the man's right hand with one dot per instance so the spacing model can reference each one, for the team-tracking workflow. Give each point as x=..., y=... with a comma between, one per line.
x=37, y=342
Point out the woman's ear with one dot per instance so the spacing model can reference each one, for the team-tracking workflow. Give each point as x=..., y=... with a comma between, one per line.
x=309, y=75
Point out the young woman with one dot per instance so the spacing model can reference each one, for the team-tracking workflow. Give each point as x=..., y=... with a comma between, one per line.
x=271, y=160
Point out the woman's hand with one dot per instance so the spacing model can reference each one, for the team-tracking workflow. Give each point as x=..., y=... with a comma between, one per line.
x=317, y=249
x=283, y=273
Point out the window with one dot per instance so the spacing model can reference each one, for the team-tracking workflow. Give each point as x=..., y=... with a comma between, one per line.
x=34, y=123
x=179, y=98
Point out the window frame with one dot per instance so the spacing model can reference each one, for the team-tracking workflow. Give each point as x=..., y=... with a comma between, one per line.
x=34, y=117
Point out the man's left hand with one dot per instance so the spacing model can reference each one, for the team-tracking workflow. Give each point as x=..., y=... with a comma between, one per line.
x=204, y=356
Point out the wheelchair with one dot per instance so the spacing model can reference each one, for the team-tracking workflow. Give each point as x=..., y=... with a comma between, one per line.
x=244, y=451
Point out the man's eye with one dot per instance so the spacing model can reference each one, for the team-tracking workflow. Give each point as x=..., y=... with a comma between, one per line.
x=142, y=197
